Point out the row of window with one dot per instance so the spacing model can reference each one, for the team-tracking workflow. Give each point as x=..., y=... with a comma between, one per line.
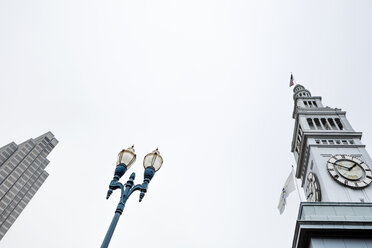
x=7, y=152
x=7, y=224
x=298, y=87
x=304, y=94
x=3, y=231
x=335, y=142
x=28, y=146
x=44, y=164
x=16, y=174
x=22, y=198
x=44, y=144
x=24, y=163
x=18, y=180
x=4, y=215
x=325, y=123
x=5, y=155
x=310, y=104
x=11, y=165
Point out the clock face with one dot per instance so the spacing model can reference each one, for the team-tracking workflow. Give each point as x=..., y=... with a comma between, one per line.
x=349, y=171
x=312, y=190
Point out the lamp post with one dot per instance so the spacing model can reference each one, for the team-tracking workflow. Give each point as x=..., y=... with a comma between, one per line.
x=152, y=163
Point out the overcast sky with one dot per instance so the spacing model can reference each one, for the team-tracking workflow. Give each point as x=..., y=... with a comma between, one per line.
x=206, y=81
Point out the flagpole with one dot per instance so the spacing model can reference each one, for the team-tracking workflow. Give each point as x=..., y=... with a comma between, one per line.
x=295, y=180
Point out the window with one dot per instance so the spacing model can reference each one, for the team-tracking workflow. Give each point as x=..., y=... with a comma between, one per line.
x=298, y=144
x=331, y=122
x=344, y=142
x=325, y=124
x=324, y=142
x=351, y=142
x=317, y=123
x=314, y=103
x=311, y=124
x=338, y=142
x=331, y=142
x=339, y=124
x=299, y=137
x=305, y=102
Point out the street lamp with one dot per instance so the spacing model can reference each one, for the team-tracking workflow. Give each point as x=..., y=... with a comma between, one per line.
x=152, y=163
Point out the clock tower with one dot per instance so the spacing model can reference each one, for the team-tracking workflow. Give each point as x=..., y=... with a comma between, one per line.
x=332, y=162
x=335, y=172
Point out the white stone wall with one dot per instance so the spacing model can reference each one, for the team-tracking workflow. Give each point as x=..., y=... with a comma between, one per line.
x=331, y=190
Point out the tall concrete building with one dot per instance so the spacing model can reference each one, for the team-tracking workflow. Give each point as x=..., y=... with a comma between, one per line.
x=22, y=172
x=335, y=172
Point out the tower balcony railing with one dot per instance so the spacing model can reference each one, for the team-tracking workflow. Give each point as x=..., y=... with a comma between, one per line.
x=332, y=220
x=335, y=211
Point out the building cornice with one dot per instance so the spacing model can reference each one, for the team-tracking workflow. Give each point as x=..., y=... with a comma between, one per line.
x=332, y=220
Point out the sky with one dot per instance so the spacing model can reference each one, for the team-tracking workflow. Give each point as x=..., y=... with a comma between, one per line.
x=205, y=81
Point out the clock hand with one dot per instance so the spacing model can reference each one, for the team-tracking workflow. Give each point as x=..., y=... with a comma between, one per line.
x=352, y=166
x=340, y=165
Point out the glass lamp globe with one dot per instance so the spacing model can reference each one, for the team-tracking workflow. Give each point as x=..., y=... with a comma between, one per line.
x=127, y=157
x=153, y=160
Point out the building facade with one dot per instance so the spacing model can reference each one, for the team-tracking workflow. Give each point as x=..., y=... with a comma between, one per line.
x=335, y=172
x=22, y=172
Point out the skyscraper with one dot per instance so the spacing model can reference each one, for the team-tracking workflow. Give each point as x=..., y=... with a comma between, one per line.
x=22, y=172
x=335, y=172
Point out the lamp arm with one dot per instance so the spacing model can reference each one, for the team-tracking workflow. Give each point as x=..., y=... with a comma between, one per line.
x=114, y=184
x=142, y=187
x=136, y=187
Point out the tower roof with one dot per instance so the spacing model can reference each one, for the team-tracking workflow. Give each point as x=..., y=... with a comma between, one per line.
x=300, y=91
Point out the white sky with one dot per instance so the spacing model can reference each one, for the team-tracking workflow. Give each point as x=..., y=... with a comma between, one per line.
x=205, y=81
